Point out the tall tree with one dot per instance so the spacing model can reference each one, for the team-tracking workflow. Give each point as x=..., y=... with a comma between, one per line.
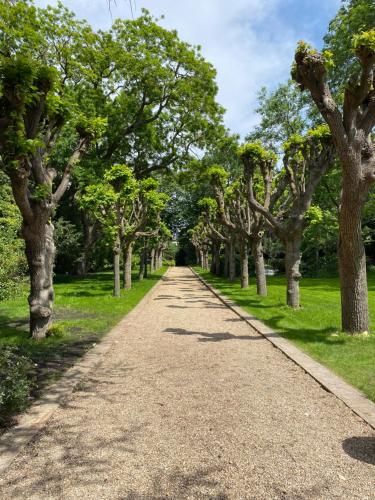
x=351, y=130
x=40, y=74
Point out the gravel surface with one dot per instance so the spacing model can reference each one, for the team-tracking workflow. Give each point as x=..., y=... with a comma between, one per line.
x=190, y=403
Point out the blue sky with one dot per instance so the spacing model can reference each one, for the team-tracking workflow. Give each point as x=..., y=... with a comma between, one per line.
x=250, y=42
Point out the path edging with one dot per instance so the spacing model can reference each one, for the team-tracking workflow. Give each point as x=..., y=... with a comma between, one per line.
x=32, y=422
x=349, y=395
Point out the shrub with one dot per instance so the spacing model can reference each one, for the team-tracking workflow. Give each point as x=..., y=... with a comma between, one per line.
x=16, y=382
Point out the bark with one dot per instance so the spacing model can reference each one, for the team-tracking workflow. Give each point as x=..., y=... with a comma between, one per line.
x=260, y=271
x=226, y=260
x=197, y=257
x=141, y=265
x=215, y=262
x=116, y=268
x=40, y=253
x=128, y=253
x=152, y=260
x=244, y=263
x=352, y=266
x=292, y=265
x=89, y=237
x=232, y=261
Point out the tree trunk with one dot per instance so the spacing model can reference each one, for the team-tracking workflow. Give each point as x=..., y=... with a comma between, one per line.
x=232, y=261
x=152, y=260
x=197, y=257
x=40, y=254
x=244, y=263
x=216, y=257
x=116, y=268
x=260, y=271
x=292, y=265
x=89, y=236
x=128, y=253
x=141, y=265
x=161, y=258
x=145, y=256
x=226, y=260
x=352, y=265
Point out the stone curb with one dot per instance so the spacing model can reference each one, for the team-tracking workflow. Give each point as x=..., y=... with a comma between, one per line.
x=31, y=423
x=350, y=396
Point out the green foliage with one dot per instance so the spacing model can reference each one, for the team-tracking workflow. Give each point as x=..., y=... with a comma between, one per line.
x=68, y=241
x=315, y=327
x=12, y=258
x=283, y=112
x=366, y=40
x=353, y=18
x=208, y=205
x=15, y=382
x=216, y=173
x=256, y=154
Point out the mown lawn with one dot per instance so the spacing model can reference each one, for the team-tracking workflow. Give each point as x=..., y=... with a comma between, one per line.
x=84, y=311
x=315, y=328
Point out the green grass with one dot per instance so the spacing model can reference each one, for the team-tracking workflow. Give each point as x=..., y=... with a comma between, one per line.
x=84, y=311
x=315, y=328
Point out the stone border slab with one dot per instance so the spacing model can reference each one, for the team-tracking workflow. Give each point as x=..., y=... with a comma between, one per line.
x=350, y=396
x=31, y=423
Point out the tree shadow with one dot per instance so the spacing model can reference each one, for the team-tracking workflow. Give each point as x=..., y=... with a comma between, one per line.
x=211, y=337
x=361, y=448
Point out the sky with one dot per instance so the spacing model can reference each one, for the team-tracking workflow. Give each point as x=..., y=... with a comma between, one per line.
x=251, y=43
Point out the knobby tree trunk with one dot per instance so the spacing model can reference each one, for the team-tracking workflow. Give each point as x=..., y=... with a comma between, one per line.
x=292, y=266
x=128, y=253
x=352, y=264
x=116, y=268
x=40, y=254
x=244, y=263
x=260, y=270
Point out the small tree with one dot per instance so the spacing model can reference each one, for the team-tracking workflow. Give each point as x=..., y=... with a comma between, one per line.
x=284, y=199
x=351, y=132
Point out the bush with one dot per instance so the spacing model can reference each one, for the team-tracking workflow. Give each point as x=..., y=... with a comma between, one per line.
x=16, y=382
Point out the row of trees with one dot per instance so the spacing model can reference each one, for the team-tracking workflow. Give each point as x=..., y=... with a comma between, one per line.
x=279, y=195
x=96, y=114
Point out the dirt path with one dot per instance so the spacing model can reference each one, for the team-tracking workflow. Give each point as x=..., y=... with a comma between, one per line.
x=190, y=403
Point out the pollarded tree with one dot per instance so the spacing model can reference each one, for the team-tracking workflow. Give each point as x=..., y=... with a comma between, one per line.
x=242, y=221
x=351, y=130
x=40, y=77
x=285, y=197
x=127, y=210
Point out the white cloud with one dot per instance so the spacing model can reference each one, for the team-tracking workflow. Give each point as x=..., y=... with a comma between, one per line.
x=243, y=39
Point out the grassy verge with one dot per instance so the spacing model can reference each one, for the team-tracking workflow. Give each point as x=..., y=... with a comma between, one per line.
x=84, y=311
x=315, y=328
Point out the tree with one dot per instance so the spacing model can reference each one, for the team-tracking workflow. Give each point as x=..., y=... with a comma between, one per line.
x=127, y=209
x=284, y=201
x=351, y=132
x=354, y=17
x=40, y=75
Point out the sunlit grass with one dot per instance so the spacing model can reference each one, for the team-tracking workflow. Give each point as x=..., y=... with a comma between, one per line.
x=315, y=328
x=84, y=311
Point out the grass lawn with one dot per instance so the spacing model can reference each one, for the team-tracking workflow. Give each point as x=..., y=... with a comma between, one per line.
x=84, y=311
x=315, y=328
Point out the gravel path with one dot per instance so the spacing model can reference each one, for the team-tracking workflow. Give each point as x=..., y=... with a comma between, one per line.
x=191, y=404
